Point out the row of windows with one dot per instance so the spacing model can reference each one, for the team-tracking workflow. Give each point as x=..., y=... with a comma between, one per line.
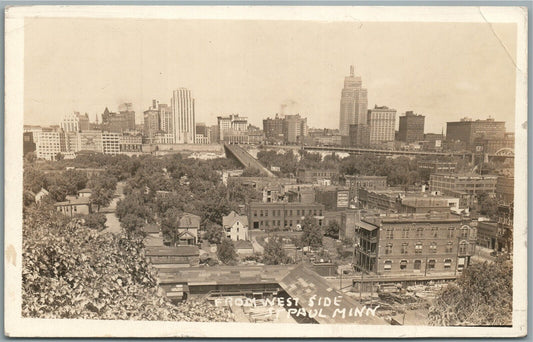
x=277, y=212
x=277, y=223
x=417, y=264
x=405, y=232
x=419, y=247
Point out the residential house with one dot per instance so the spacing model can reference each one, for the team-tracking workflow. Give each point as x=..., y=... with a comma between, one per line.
x=235, y=226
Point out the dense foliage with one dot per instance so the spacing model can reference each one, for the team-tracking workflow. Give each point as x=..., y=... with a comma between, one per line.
x=483, y=295
x=70, y=271
x=226, y=251
x=312, y=233
x=274, y=254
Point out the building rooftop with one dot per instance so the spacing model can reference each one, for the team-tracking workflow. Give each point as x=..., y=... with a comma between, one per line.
x=264, y=274
x=151, y=229
x=304, y=284
x=173, y=251
x=228, y=221
x=412, y=218
x=74, y=201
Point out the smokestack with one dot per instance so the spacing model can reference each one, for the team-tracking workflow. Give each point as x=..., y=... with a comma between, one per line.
x=351, y=70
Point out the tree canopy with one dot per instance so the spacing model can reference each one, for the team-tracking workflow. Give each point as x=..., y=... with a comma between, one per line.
x=483, y=295
x=70, y=271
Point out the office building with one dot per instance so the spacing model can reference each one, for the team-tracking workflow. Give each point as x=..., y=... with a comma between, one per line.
x=48, y=144
x=359, y=135
x=273, y=128
x=28, y=143
x=75, y=122
x=90, y=141
x=131, y=142
x=183, y=113
x=118, y=122
x=414, y=244
x=232, y=128
x=294, y=129
x=382, y=123
x=152, y=121
x=466, y=131
x=354, y=103
x=411, y=127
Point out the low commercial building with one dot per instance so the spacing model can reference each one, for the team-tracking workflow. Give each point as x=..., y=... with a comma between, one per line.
x=505, y=189
x=414, y=244
x=333, y=197
x=169, y=257
x=283, y=216
x=314, y=175
x=74, y=206
x=465, y=186
x=489, y=235
x=437, y=167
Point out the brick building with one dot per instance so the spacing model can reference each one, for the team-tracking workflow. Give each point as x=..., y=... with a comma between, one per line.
x=411, y=127
x=414, y=244
x=283, y=216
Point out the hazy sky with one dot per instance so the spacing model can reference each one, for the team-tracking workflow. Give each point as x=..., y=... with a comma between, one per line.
x=442, y=70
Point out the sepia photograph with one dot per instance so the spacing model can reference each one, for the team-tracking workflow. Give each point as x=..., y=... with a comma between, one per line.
x=265, y=171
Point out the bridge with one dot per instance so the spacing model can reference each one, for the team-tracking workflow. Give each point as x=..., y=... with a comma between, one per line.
x=505, y=153
x=245, y=159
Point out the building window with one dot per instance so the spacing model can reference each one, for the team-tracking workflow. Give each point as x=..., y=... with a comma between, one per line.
x=418, y=248
x=434, y=232
x=266, y=213
x=419, y=232
x=388, y=265
x=418, y=264
x=389, y=233
x=261, y=213
x=388, y=248
x=433, y=247
x=431, y=264
x=464, y=232
x=405, y=245
x=403, y=264
x=449, y=247
x=450, y=232
x=462, y=247
x=255, y=213
x=447, y=263
x=405, y=233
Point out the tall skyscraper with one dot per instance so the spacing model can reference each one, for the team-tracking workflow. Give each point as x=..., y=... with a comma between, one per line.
x=354, y=103
x=294, y=128
x=182, y=104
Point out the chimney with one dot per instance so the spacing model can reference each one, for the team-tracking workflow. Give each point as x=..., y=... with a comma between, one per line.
x=351, y=70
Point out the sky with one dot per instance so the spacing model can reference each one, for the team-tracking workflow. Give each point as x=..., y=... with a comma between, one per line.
x=444, y=71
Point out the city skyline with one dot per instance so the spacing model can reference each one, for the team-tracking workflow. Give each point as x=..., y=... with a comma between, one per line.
x=410, y=69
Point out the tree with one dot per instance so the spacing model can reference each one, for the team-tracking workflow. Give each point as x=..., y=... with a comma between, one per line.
x=487, y=205
x=226, y=251
x=132, y=223
x=312, y=234
x=251, y=172
x=332, y=230
x=483, y=295
x=30, y=157
x=72, y=272
x=95, y=221
x=274, y=254
x=214, y=233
